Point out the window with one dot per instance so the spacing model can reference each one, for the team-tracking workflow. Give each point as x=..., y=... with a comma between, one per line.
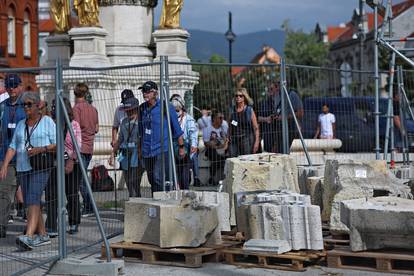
x=26, y=35
x=11, y=32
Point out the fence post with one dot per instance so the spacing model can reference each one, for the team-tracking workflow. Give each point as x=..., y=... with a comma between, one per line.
x=285, y=127
x=60, y=163
x=165, y=91
x=390, y=113
x=376, y=78
x=161, y=88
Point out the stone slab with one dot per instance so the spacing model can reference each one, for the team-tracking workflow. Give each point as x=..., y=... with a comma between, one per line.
x=171, y=223
x=316, y=145
x=172, y=43
x=221, y=200
x=350, y=179
x=265, y=171
x=274, y=246
x=304, y=172
x=314, y=188
x=290, y=217
x=381, y=222
x=73, y=266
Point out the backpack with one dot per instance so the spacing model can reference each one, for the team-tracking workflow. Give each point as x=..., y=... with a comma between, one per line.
x=101, y=181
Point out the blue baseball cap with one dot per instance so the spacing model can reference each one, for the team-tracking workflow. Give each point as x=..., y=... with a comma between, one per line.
x=148, y=86
x=12, y=81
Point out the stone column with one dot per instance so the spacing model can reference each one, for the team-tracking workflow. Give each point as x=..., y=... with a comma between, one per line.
x=89, y=47
x=129, y=24
x=58, y=46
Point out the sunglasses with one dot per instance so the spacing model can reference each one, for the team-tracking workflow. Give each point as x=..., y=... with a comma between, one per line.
x=239, y=96
x=28, y=104
x=147, y=92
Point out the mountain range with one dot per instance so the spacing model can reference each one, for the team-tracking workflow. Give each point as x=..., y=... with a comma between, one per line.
x=203, y=44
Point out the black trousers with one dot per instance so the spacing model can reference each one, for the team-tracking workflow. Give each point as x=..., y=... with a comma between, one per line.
x=72, y=182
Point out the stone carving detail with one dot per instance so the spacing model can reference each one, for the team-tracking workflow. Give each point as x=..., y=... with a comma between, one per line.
x=145, y=3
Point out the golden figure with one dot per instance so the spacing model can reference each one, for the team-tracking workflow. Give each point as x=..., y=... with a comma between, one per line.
x=88, y=12
x=60, y=14
x=170, y=17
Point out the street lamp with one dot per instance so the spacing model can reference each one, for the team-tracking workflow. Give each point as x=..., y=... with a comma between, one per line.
x=231, y=37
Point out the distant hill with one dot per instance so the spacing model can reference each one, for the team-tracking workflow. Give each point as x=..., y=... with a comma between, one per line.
x=203, y=44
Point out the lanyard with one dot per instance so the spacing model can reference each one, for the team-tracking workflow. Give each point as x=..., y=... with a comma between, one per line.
x=130, y=131
x=29, y=133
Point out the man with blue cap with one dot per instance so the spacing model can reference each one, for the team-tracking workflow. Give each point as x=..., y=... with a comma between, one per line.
x=11, y=112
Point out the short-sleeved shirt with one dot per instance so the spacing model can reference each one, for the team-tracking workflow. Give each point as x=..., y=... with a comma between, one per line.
x=294, y=99
x=150, y=128
x=87, y=117
x=221, y=133
x=128, y=139
x=12, y=113
x=205, y=121
x=41, y=135
x=326, y=121
x=118, y=117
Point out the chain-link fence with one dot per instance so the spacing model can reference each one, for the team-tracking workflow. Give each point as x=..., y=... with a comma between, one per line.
x=220, y=110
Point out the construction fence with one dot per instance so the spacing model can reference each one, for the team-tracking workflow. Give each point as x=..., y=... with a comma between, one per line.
x=208, y=93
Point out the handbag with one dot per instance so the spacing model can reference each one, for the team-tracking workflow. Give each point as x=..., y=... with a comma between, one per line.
x=40, y=161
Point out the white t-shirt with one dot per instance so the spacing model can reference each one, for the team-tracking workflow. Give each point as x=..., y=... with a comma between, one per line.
x=220, y=133
x=326, y=121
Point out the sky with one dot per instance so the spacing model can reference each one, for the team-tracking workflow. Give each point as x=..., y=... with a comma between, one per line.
x=258, y=15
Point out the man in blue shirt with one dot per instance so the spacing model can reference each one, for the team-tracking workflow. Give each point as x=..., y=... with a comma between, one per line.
x=150, y=133
x=11, y=113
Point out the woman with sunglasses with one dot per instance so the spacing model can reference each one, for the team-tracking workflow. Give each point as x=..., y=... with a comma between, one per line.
x=244, y=130
x=33, y=136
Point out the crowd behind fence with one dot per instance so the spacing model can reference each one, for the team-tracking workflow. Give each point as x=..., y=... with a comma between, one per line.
x=225, y=111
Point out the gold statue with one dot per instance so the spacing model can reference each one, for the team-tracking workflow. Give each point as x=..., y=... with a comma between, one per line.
x=88, y=12
x=170, y=17
x=60, y=14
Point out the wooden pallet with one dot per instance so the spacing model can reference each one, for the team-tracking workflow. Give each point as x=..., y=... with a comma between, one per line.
x=292, y=261
x=330, y=242
x=230, y=236
x=151, y=254
x=378, y=261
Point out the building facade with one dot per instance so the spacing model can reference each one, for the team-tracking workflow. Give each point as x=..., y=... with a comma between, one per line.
x=19, y=33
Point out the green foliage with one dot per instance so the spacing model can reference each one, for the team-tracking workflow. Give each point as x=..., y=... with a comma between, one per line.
x=305, y=49
x=215, y=58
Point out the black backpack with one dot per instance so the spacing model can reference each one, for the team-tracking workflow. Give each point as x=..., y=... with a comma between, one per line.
x=101, y=181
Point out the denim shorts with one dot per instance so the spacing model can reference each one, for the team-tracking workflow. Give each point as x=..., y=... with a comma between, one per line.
x=33, y=184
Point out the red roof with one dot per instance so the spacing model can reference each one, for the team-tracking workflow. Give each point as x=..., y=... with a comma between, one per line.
x=237, y=70
x=350, y=30
x=334, y=32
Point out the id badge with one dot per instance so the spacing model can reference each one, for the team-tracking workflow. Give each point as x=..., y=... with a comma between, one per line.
x=131, y=145
x=148, y=131
x=11, y=125
x=234, y=123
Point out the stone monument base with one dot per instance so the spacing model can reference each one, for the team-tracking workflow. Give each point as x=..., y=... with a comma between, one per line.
x=58, y=47
x=172, y=43
x=89, y=47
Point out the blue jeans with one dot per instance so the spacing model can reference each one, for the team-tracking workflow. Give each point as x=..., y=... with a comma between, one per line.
x=87, y=205
x=195, y=165
x=33, y=184
x=154, y=172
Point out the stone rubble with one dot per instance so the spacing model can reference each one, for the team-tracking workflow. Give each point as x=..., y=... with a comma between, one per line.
x=265, y=171
x=187, y=222
x=280, y=215
x=380, y=222
x=349, y=179
x=274, y=246
x=207, y=198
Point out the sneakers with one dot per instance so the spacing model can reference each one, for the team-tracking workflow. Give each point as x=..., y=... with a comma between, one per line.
x=73, y=229
x=10, y=219
x=41, y=240
x=24, y=243
x=52, y=233
x=87, y=213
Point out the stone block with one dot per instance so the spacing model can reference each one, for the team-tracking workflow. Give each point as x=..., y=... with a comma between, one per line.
x=281, y=216
x=304, y=172
x=221, y=200
x=316, y=145
x=171, y=223
x=350, y=179
x=381, y=222
x=264, y=171
x=275, y=246
x=314, y=187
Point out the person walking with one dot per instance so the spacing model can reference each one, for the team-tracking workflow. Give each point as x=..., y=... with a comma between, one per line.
x=150, y=133
x=87, y=117
x=127, y=146
x=33, y=143
x=244, y=130
x=190, y=136
x=326, y=124
x=73, y=178
x=11, y=112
